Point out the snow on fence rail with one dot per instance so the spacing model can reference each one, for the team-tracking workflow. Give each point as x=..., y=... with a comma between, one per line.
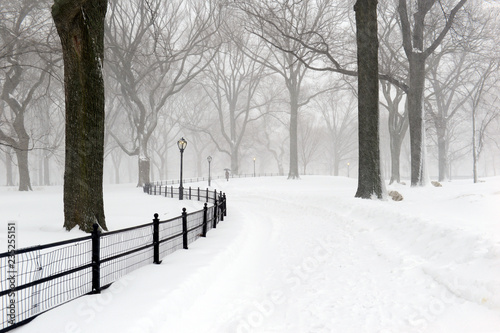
x=49, y=275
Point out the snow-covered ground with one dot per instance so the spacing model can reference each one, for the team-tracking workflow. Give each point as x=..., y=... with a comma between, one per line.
x=294, y=256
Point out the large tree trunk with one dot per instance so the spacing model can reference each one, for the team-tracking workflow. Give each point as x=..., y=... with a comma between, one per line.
x=24, y=174
x=336, y=164
x=369, y=177
x=294, y=155
x=474, y=150
x=413, y=43
x=80, y=25
x=46, y=169
x=396, y=142
x=144, y=164
x=415, y=117
x=235, y=165
x=442, y=152
x=8, y=167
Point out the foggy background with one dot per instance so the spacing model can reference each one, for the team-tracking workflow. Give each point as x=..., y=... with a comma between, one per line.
x=200, y=70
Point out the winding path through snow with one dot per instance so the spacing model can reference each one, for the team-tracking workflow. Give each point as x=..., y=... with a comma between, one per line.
x=305, y=256
x=310, y=258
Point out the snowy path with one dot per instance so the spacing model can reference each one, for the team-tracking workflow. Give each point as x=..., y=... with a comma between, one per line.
x=309, y=262
x=305, y=256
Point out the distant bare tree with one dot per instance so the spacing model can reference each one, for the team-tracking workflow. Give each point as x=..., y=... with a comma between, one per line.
x=418, y=45
x=338, y=110
x=155, y=49
x=397, y=123
x=232, y=83
x=24, y=28
x=276, y=22
x=310, y=137
x=484, y=107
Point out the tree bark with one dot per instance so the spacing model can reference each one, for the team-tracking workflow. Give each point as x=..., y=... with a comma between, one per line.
x=8, y=166
x=24, y=174
x=46, y=169
x=144, y=170
x=370, y=180
x=415, y=117
x=294, y=115
x=80, y=25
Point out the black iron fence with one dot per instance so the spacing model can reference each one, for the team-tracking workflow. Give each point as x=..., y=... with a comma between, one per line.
x=202, y=179
x=36, y=279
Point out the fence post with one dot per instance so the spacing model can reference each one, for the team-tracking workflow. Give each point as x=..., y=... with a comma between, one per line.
x=156, y=240
x=216, y=209
x=171, y=191
x=184, y=229
x=224, y=206
x=198, y=194
x=221, y=207
x=96, y=259
x=189, y=192
x=205, y=213
x=207, y=196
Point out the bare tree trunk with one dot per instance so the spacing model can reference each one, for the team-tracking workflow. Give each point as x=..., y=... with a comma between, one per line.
x=144, y=170
x=415, y=114
x=413, y=43
x=46, y=169
x=80, y=25
x=395, y=162
x=442, y=155
x=24, y=174
x=8, y=167
x=235, y=165
x=474, y=145
x=370, y=180
x=293, y=172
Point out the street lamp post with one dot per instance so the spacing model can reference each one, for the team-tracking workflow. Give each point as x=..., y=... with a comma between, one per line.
x=182, y=143
x=348, y=169
x=209, y=159
x=254, y=166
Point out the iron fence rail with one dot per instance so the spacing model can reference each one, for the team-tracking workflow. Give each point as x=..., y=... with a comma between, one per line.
x=202, y=179
x=50, y=275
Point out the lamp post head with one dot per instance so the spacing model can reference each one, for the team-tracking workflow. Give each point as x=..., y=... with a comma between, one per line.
x=209, y=159
x=254, y=159
x=182, y=143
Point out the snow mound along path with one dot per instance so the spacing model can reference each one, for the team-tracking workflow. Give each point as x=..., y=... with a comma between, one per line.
x=466, y=264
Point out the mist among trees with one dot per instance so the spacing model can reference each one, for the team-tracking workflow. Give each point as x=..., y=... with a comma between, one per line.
x=265, y=84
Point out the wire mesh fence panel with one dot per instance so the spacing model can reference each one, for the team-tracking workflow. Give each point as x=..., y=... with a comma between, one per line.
x=45, y=278
x=170, y=246
x=49, y=275
x=210, y=217
x=55, y=292
x=170, y=228
x=194, y=225
x=115, y=243
x=114, y=269
x=124, y=251
x=170, y=236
